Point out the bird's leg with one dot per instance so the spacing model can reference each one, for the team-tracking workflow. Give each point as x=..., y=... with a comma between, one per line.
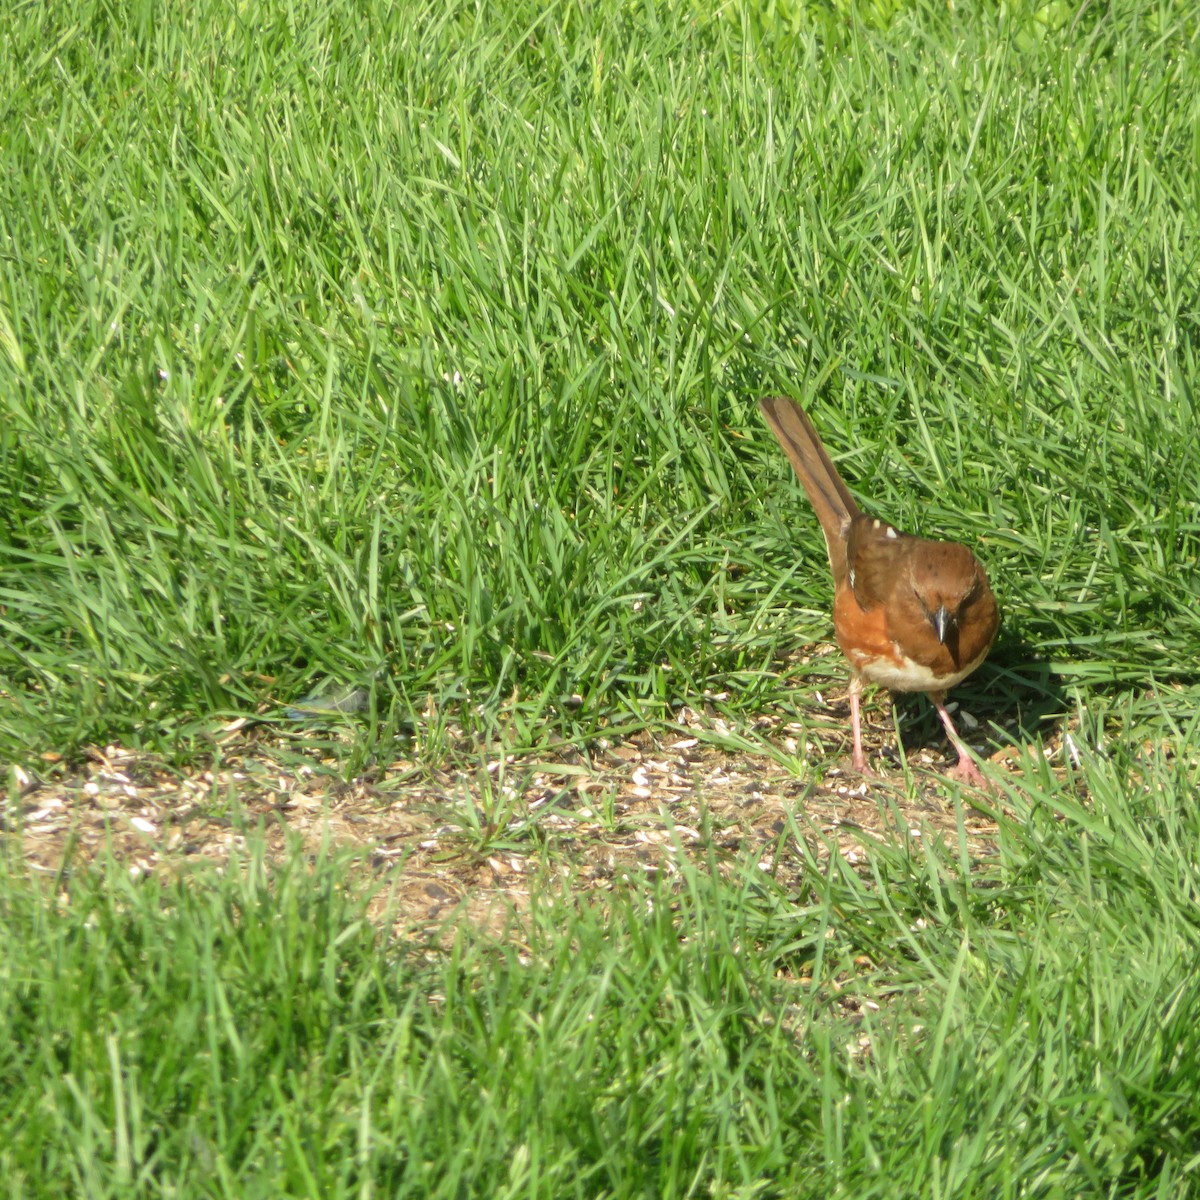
x=856, y=686
x=965, y=770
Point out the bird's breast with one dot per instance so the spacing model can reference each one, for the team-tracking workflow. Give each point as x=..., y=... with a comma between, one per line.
x=873, y=651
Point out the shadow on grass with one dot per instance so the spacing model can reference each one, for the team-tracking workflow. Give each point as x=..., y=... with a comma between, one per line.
x=1014, y=695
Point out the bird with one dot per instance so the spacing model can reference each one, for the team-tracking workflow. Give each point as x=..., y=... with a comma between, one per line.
x=910, y=614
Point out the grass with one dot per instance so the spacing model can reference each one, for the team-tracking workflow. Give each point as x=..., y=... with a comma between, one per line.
x=920, y=1029
x=418, y=350
x=415, y=349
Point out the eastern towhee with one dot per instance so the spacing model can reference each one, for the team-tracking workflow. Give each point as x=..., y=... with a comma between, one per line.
x=910, y=614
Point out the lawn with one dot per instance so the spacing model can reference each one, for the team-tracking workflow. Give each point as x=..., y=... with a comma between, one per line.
x=387, y=513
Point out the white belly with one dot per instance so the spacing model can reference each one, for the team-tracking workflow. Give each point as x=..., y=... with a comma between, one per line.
x=909, y=676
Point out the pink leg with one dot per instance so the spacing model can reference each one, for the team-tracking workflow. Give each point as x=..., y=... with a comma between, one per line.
x=965, y=769
x=860, y=759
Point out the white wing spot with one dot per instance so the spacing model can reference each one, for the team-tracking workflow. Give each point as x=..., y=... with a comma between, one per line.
x=891, y=533
x=875, y=523
x=852, y=578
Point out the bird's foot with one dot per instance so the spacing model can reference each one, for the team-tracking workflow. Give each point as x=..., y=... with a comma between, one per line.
x=859, y=763
x=965, y=771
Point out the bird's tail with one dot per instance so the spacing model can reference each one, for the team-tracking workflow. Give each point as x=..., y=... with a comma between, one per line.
x=835, y=506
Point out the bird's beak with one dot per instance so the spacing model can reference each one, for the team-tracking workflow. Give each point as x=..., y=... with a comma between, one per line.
x=943, y=622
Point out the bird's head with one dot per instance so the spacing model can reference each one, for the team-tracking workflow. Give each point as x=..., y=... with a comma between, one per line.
x=945, y=581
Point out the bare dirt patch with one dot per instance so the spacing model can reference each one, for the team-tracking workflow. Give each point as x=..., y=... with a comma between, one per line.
x=446, y=840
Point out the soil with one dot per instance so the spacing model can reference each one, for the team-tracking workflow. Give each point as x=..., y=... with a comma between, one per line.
x=473, y=841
